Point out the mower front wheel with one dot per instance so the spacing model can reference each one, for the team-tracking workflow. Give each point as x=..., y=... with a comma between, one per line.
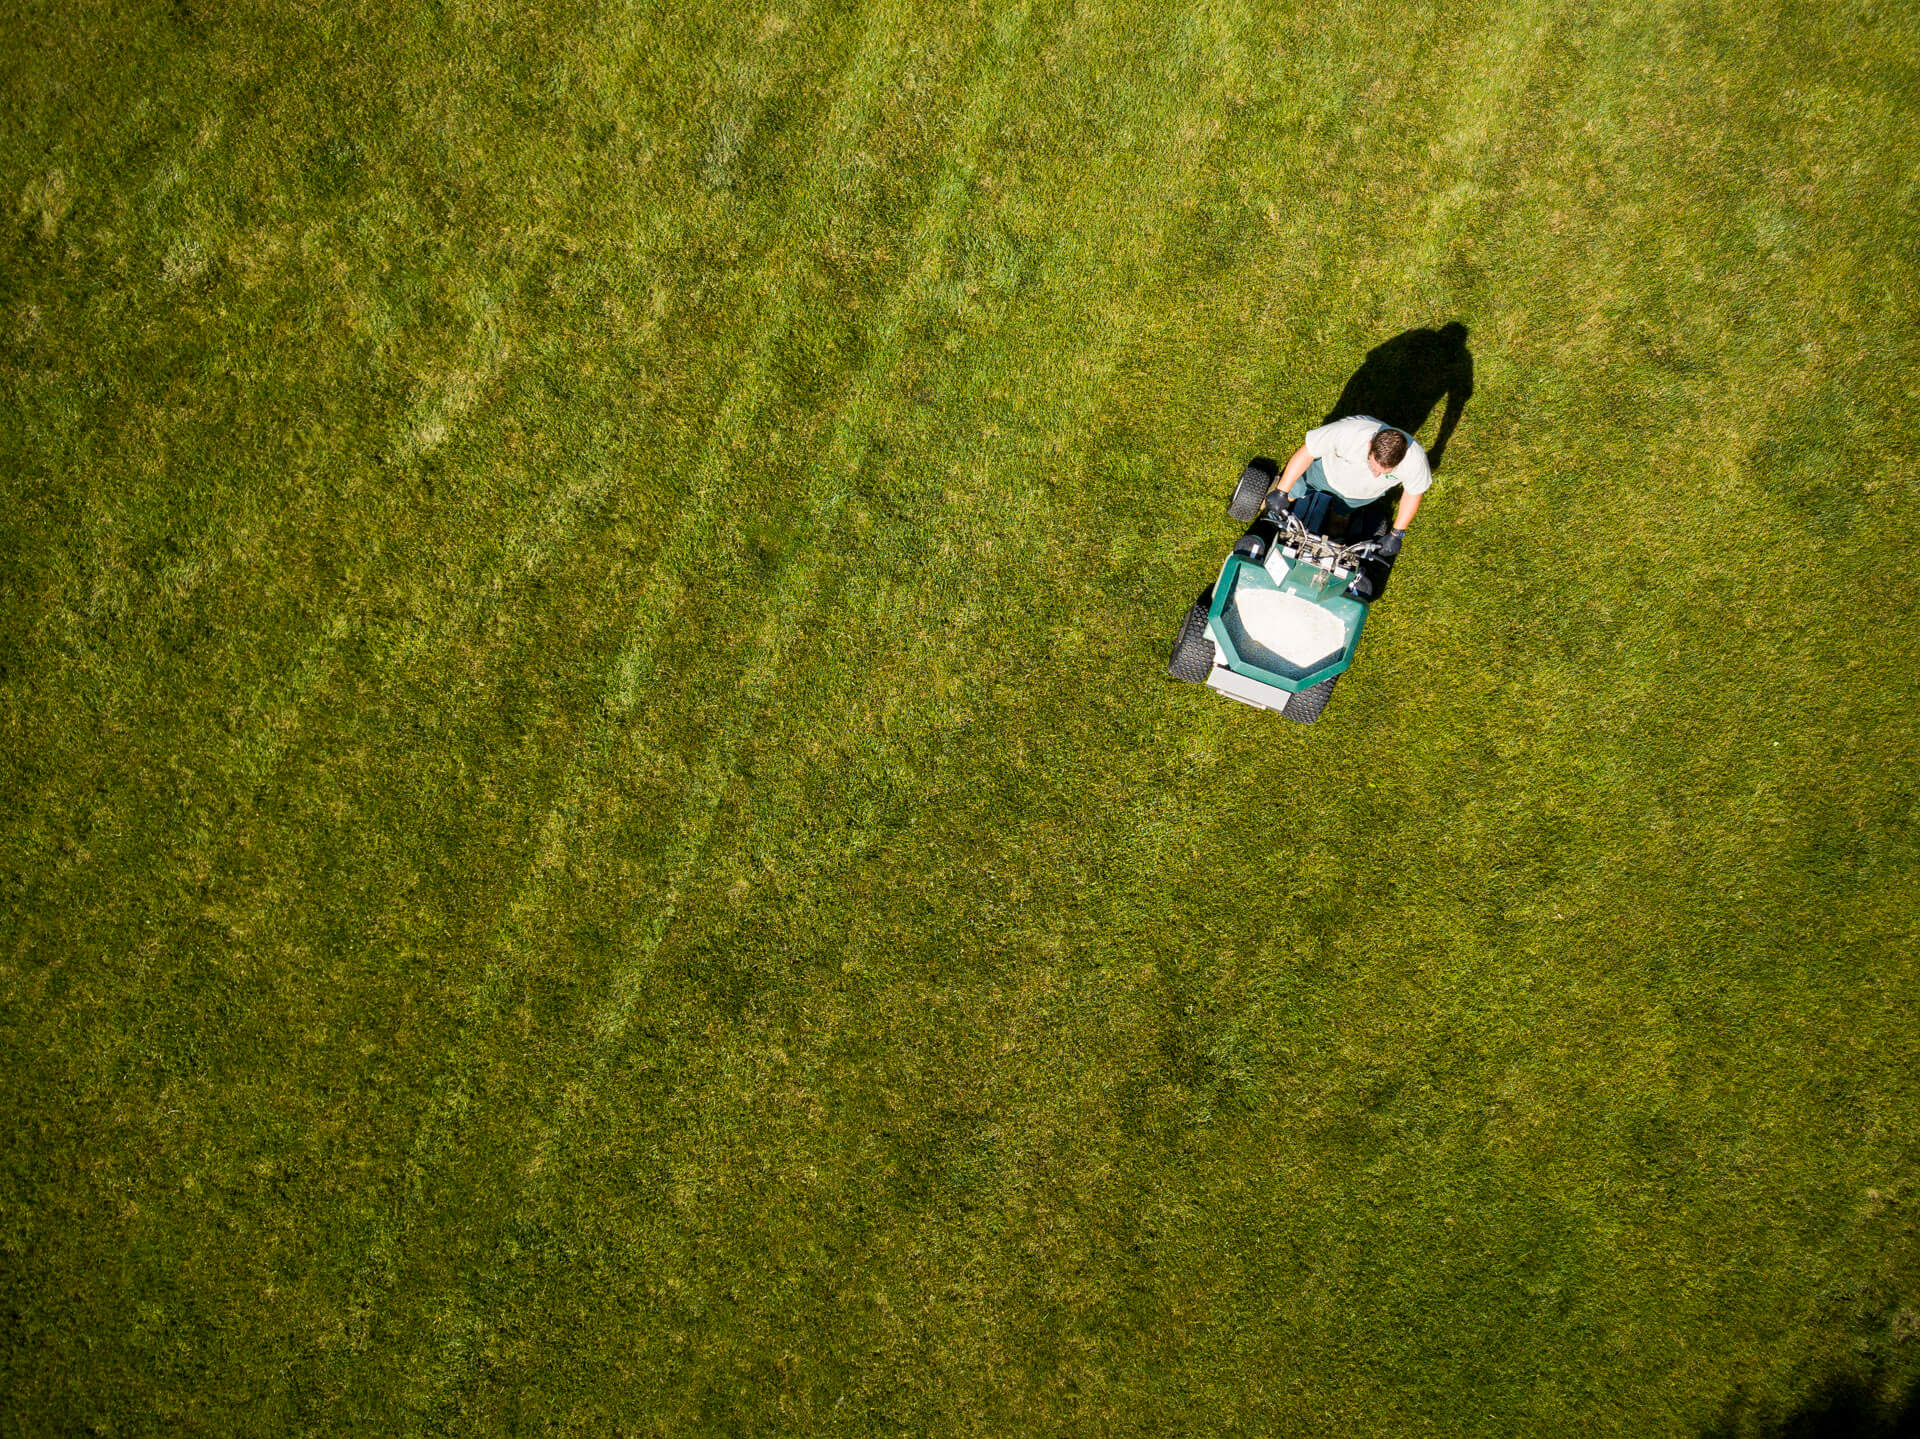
x=1305, y=707
x=1192, y=658
x=1255, y=480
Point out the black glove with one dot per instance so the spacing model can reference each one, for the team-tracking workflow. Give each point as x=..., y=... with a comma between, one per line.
x=1276, y=504
x=1390, y=546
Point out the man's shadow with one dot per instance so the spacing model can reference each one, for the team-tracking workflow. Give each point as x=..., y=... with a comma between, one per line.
x=1402, y=380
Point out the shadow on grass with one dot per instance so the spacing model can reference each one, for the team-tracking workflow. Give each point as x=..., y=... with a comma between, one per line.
x=1402, y=380
x=1845, y=1408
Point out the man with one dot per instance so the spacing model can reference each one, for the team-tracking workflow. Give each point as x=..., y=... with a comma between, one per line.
x=1358, y=460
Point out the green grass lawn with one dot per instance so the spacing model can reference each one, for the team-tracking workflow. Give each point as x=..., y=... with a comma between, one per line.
x=593, y=835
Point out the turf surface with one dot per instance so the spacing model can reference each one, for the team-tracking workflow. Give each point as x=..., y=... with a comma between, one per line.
x=593, y=836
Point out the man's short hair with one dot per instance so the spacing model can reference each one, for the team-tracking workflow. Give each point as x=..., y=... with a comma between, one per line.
x=1389, y=447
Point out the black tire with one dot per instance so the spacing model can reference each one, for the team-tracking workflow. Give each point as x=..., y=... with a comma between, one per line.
x=1305, y=707
x=1192, y=658
x=1255, y=480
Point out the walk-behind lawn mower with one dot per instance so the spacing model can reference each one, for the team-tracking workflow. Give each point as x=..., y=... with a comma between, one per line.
x=1282, y=622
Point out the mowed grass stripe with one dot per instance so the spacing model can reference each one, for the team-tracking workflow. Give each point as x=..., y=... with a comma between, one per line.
x=785, y=610
x=789, y=608
x=705, y=509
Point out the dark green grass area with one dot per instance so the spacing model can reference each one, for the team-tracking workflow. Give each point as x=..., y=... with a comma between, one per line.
x=595, y=837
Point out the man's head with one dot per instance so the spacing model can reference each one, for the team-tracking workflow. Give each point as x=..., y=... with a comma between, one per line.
x=1388, y=449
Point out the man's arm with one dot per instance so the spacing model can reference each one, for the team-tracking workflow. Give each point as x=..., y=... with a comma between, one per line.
x=1409, y=502
x=1290, y=476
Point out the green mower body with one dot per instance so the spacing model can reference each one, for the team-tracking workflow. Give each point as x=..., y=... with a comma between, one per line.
x=1283, y=620
x=1284, y=670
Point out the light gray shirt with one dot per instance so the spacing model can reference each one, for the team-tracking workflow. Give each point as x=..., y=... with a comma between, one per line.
x=1341, y=449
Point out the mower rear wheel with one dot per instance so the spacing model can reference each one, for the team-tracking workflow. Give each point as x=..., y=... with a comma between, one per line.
x=1255, y=481
x=1305, y=707
x=1192, y=658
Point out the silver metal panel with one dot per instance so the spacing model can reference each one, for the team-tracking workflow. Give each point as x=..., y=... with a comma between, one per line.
x=1248, y=691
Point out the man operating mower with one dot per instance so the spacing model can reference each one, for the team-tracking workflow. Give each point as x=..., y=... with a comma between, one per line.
x=1357, y=460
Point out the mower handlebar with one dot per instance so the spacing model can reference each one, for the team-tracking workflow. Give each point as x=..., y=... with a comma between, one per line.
x=1320, y=547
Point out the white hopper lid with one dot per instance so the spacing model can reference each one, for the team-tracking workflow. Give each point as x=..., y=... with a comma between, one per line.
x=1295, y=628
